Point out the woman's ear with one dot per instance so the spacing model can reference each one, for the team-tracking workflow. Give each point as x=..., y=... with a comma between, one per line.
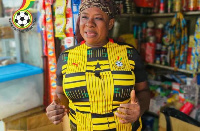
x=111, y=23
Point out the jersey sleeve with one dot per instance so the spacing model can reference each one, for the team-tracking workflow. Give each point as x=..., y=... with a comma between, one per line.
x=59, y=75
x=140, y=72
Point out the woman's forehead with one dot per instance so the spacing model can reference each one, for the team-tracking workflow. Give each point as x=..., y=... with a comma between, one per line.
x=94, y=11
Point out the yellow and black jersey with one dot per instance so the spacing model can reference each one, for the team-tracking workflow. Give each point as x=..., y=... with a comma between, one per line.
x=96, y=81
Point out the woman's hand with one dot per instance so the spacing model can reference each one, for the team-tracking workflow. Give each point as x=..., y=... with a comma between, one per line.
x=130, y=112
x=56, y=111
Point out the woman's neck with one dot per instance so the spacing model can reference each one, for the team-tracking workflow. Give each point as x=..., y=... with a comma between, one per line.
x=97, y=44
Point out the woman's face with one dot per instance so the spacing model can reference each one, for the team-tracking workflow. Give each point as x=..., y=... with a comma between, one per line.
x=94, y=26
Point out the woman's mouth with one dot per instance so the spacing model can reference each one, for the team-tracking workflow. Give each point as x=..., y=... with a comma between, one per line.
x=90, y=34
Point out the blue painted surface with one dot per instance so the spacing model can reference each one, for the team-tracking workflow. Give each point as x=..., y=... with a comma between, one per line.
x=16, y=71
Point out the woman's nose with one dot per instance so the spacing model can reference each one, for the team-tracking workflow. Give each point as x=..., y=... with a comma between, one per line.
x=90, y=23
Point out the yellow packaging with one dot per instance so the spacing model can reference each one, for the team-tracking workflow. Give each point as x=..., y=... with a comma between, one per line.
x=60, y=25
x=60, y=9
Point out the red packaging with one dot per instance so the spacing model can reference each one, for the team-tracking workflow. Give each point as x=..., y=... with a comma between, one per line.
x=150, y=52
x=145, y=3
x=158, y=34
x=187, y=108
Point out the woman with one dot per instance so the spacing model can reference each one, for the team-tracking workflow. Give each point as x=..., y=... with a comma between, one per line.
x=95, y=79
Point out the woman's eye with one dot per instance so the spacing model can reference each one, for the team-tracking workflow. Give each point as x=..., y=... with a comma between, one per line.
x=99, y=18
x=84, y=17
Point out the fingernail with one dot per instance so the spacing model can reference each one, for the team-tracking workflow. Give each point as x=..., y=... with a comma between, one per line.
x=63, y=106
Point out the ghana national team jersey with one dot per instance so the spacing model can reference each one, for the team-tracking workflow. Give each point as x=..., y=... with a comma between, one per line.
x=96, y=81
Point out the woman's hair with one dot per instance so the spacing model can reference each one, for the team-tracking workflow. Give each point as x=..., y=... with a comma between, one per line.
x=107, y=6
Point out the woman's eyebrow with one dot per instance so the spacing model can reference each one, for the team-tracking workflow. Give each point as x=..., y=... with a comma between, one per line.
x=84, y=13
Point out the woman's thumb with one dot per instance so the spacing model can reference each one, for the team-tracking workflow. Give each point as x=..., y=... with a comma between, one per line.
x=56, y=100
x=133, y=100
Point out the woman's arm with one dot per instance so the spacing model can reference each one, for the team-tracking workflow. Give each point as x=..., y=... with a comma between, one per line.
x=61, y=96
x=143, y=95
x=58, y=108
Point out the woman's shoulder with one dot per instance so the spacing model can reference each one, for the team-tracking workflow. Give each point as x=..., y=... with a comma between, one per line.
x=128, y=46
x=70, y=48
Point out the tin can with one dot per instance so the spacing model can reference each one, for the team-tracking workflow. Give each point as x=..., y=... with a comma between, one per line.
x=176, y=5
x=192, y=5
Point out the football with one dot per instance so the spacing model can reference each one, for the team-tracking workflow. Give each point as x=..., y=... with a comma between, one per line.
x=119, y=64
x=22, y=19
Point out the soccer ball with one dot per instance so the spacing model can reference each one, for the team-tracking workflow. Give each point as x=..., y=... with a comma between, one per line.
x=119, y=64
x=22, y=19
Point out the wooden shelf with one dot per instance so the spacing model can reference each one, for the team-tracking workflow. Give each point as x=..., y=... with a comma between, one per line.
x=25, y=113
x=191, y=13
x=172, y=68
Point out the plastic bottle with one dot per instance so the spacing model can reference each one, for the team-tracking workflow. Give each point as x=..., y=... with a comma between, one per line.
x=162, y=6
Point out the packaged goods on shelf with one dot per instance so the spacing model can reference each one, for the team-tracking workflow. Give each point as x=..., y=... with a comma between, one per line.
x=60, y=18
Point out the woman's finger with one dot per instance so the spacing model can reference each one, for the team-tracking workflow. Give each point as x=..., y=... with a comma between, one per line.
x=123, y=116
x=54, y=107
x=57, y=117
x=125, y=111
x=55, y=112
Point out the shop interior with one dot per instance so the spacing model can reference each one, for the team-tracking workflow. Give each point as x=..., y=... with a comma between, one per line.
x=166, y=33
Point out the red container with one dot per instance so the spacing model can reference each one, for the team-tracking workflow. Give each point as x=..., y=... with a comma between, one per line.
x=150, y=52
x=187, y=108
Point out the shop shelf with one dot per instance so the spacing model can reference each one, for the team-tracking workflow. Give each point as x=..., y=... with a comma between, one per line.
x=191, y=13
x=172, y=68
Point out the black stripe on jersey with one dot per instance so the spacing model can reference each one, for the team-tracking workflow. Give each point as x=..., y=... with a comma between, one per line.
x=72, y=111
x=73, y=126
x=89, y=70
x=122, y=72
x=136, y=125
x=94, y=115
x=72, y=115
x=82, y=105
x=97, y=58
x=106, y=130
x=115, y=109
x=104, y=123
x=75, y=74
x=74, y=81
x=77, y=88
x=80, y=100
x=124, y=79
x=82, y=111
x=123, y=87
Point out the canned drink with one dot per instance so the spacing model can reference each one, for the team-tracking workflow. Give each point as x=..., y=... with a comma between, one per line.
x=176, y=5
